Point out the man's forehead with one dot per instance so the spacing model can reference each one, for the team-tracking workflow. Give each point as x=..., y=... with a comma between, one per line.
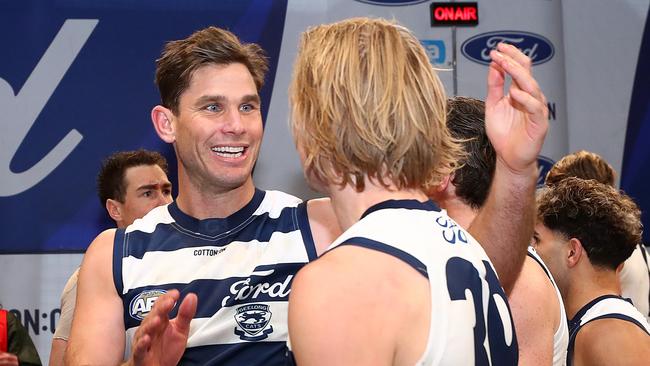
x=139, y=174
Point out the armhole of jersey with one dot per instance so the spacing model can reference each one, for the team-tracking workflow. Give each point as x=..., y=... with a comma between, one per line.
x=302, y=220
x=540, y=264
x=390, y=250
x=572, y=337
x=118, y=250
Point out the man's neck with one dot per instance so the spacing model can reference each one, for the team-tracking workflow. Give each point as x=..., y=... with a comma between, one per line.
x=205, y=204
x=460, y=212
x=349, y=204
x=588, y=286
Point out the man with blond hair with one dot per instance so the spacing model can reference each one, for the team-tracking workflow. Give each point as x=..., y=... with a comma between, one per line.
x=404, y=284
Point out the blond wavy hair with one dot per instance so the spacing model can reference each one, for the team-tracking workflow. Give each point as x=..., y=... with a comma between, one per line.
x=366, y=102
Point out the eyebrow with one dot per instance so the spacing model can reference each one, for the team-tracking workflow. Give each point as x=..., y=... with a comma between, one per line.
x=154, y=186
x=220, y=98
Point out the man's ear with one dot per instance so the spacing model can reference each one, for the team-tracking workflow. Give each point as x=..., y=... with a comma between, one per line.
x=163, y=119
x=575, y=252
x=114, y=209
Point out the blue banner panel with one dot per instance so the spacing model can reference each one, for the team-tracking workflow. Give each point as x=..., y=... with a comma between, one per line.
x=636, y=159
x=76, y=84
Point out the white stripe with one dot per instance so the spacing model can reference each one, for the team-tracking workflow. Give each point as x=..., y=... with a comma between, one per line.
x=147, y=224
x=274, y=202
x=237, y=259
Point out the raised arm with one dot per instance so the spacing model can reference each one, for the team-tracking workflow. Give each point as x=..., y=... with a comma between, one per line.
x=516, y=124
x=97, y=335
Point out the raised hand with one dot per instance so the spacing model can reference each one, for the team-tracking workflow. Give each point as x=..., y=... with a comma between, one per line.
x=161, y=341
x=516, y=122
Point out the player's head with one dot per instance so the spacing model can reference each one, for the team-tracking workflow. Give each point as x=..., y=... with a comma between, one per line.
x=366, y=104
x=211, y=109
x=131, y=183
x=209, y=46
x=466, y=122
x=583, y=222
x=582, y=164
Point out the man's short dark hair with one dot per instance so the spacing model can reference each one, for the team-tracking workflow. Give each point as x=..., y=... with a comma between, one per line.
x=582, y=164
x=466, y=122
x=110, y=180
x=606, y=221
x=212, y=45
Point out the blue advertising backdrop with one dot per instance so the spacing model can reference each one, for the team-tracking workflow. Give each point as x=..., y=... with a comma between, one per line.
x=636, y=157
x=96, y=60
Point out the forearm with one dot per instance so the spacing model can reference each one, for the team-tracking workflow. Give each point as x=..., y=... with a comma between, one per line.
x=504, y=225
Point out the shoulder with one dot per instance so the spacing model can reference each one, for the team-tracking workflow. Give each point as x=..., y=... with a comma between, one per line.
x=596, y=340
x=323, y=223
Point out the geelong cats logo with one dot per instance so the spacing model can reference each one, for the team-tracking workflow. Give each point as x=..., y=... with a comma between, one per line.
x=253, y=319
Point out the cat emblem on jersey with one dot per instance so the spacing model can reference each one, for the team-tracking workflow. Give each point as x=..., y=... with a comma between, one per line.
x=253, y=319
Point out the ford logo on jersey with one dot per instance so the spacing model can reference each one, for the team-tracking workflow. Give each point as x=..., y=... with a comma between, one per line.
x=538, y=48
x=392, y=2
x=545, y=164
x=142, y=304
x=252, y=319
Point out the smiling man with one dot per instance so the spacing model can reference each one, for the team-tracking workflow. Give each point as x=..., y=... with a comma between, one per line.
x=231, y=250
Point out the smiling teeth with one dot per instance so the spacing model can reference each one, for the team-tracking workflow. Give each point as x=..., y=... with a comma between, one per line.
x=229, y=151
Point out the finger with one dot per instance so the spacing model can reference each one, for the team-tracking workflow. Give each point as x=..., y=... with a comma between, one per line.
x=516, y=55
x=537, y=110
x=496, y=82
x=186, y=312
x=140, y=349
x=522, y=77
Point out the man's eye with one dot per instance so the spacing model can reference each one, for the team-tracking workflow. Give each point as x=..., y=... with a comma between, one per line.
x=146, y=193
x=247, y=108
x=213, y=108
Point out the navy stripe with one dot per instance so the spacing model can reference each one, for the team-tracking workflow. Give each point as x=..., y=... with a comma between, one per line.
x=302, y=220
x=173, y=237
x=407, y=204
x=118, y=251
x=215, y=226
x=244, y=353
x=388, y=249
x=540, y=264
x=212, y=294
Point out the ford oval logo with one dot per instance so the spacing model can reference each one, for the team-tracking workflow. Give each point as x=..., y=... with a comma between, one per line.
x=392, y=2
x=544, y=165
x=538, y=48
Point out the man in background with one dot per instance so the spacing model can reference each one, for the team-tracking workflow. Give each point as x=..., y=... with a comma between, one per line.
x=535, y=302
x=129, y=185
x=635, y=274
x=585, y=231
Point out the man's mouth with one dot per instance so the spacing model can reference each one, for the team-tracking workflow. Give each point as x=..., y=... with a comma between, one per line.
x=231, y=152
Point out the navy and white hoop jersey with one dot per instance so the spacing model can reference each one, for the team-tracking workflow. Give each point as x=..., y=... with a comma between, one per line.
x=241, y=267
x=604, y=307
x=470, y=317
x=561, y=336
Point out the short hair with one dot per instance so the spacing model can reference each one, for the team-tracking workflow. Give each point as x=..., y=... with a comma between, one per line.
x=367, y=102
x=110, y=180
x=212, y=45
x=582, y=164
x=606, y=221
x=472, y=179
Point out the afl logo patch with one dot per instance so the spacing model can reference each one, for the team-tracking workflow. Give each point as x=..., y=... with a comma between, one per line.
x=252, y=319
x=142, y=304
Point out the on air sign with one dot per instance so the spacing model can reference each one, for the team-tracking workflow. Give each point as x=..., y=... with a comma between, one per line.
x=454, y=14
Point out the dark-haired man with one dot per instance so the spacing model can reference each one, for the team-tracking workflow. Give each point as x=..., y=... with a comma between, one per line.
x=129, y=185
x=536, y=304
x=584, y=233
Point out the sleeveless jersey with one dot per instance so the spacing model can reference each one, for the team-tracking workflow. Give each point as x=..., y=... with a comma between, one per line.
x=561, y=336
x=240, y=267
x=604, y=307
x=464, y=330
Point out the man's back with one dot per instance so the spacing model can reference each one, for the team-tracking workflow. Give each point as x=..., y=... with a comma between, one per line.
x=446, y=263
